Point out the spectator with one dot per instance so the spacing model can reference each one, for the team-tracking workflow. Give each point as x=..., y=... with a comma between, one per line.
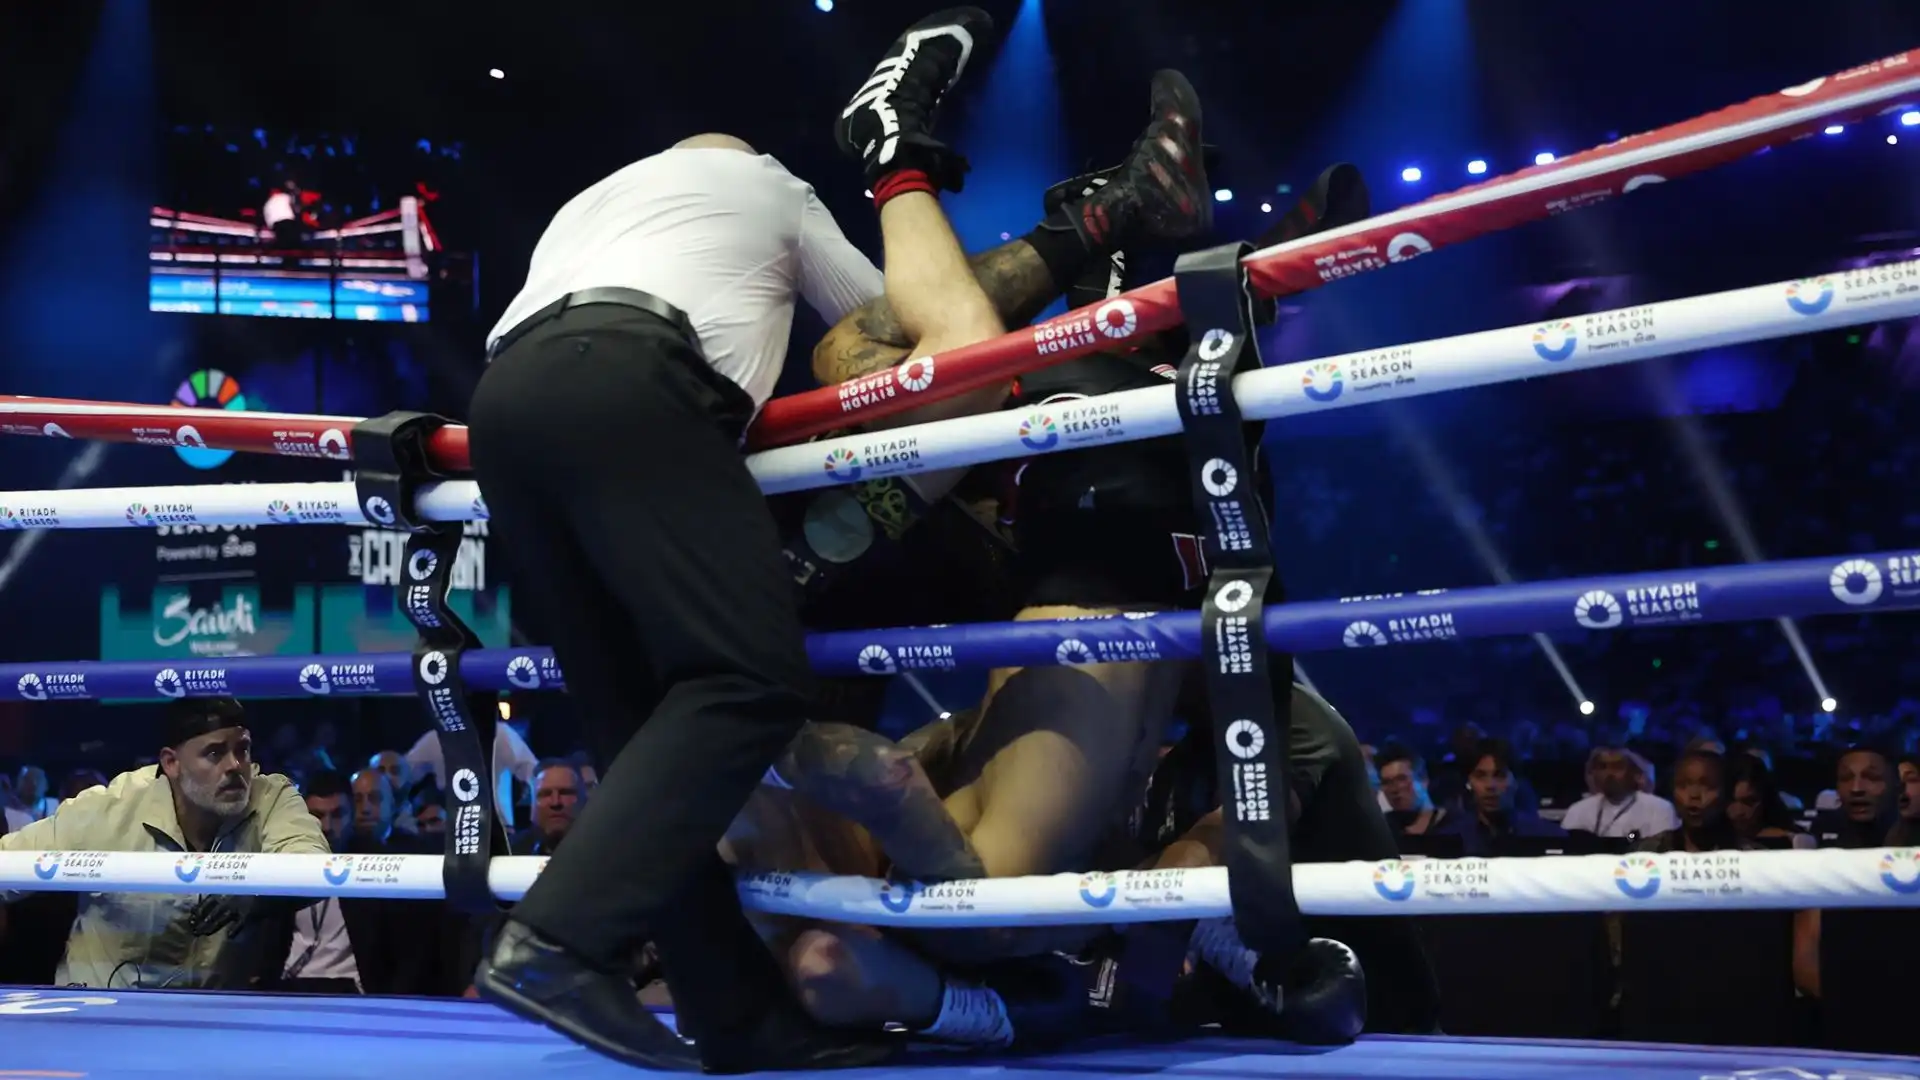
x=1489, y=814
x=1618, y=807
x=1907, y=830
x=349, y=945
x=80, y=780
x=392, y=765
x=1700, y=797
x=205, y=795
x=1791, y=801
x=30, y=793
x=1869, y=801
x=430, y=811
x=1403, y=780
x=557, y=796
x=1755, y=810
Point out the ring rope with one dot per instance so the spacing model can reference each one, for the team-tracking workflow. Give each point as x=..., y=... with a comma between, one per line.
x=1721, y=880
x=1843, y=585
x=1460, y=362
x=1542, y=191
x=1500, y=203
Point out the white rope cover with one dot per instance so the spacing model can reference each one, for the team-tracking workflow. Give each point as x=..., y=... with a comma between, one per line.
x=1729, y=880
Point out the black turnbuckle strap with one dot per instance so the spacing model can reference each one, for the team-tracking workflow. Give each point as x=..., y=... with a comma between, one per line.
x=1243, y=680
x=391, y=454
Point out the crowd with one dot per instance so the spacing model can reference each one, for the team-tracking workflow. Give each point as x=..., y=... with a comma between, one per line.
x=1480, y=797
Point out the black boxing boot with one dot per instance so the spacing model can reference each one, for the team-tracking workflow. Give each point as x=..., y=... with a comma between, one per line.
x=888, y=126
x=1158, y=193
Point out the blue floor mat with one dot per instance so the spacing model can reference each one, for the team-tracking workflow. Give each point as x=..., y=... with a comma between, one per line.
x=108, y=1035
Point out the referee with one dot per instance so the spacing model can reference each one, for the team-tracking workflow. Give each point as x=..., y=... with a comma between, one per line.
x=605, y=438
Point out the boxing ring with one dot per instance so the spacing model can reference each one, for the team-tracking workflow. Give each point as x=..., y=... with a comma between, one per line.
x=96, y=1033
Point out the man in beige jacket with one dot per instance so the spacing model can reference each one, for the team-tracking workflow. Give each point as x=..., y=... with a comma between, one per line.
x=206, y=795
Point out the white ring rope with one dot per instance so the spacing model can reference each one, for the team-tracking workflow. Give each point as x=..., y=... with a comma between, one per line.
x=1486, y=358
x=1723, y=880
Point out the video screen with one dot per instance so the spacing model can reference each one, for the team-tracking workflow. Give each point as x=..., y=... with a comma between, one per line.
x=305, y=225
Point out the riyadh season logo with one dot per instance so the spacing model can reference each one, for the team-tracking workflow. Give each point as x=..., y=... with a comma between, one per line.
x=1393, y=881
x=1554, y=342
x=279, y=511
x=1215, y=344
x=1407, y=246
x=1117, y=319
x=47, y=866
x=434, y=668
x=1637, y=877
x=1900, y=871
x=1233, y=596
x=875, y=660
x=1073, y=651
x=1363, y=635
x=843, y=464
x=187, y=868
x=313, y=679
x=1597, y=610
x=1855, y=582
x=1810, y=296
x=138, y=514
x=379, y=510
x=168, y=684
x=421, y=564
x=523, y=673
x=1322, y=381
x=1098, y=890
x=1037, y=432
x=897, y=896
x=1245, y=739
x=30, y=687
x=916, y=375
x=337, y=870
x=1219, y=478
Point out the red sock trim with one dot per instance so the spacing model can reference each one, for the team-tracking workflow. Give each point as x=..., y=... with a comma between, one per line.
x=898, y=183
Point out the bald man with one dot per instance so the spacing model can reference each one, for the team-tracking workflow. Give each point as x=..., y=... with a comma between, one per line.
x=605, y=439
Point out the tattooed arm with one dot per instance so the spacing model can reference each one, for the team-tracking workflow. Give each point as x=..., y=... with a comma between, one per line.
x=870, y=339
x=881, y=785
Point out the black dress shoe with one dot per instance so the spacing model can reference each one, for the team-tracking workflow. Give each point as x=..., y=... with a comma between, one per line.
x=537, y=980
x=786, y=1038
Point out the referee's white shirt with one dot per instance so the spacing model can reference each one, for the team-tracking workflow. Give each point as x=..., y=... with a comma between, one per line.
x=728, y=237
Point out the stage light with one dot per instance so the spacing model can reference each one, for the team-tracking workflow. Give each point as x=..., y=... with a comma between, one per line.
x=823, y=5
x=1828, y=704
x=1266, y=208
x=1835, y=129
x=1893, y=140
x=1411, y=174
x=496, y=73
x=1223, y=195
x=1586, y=708
x=1476, y=167
x=1544, y=157
x=1909, y=118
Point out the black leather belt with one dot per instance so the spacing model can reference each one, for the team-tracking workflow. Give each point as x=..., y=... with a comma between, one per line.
x=633, y=298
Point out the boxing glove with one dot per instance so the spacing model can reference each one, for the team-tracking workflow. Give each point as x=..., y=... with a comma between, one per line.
x=1318, y=995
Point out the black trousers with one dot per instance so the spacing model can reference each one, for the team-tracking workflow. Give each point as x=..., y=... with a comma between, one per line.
x=606, y=448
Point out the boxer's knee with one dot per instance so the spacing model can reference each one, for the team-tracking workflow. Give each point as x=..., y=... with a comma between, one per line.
x=829, y=979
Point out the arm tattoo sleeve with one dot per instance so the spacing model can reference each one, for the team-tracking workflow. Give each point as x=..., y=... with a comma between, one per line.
x=872, y=781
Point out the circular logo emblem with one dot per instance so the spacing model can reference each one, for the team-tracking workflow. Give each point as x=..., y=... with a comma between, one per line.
x=1362, y=634
x=208, y=388
x=1554, y=342
x=1233, y=596
x=522, y=673
x=1245, y=739
x=1072, y=651
x=433, y=668
x=333, y=444
x=916, y=375
x=1215, y=344
x=875, y=660
x=1116, y=318
x=1038, y=433
x=1099, y=889
x=1407, y=246
x=313, y=679
x=466, y=786
x=1855, y=582
x=1394, y=881
x=1637, y=877
x=1219, y=478
x=421, y=565
x=1322, y=382
x=379, y=510
x=1598, y=610
x=168, y=684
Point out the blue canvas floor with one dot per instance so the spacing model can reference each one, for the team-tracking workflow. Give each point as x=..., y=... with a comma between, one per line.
x=154, y=1034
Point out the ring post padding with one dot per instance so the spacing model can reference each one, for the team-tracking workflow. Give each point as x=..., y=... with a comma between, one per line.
x=390, y=453
x=394, y=464
x=1249, y=733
